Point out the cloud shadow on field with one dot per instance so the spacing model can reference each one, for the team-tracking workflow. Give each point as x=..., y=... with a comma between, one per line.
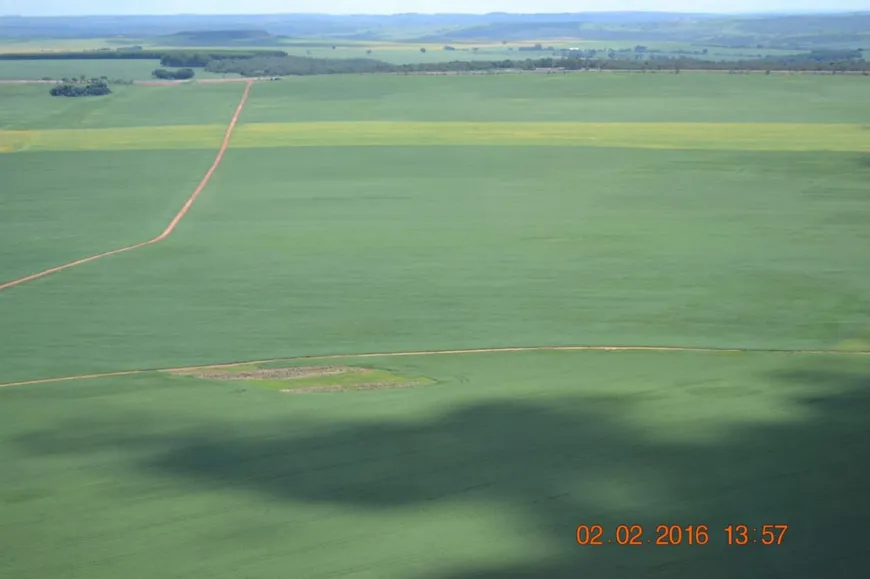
x=561, y=465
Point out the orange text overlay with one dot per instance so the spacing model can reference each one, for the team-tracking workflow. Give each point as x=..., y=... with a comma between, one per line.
x=673, y=535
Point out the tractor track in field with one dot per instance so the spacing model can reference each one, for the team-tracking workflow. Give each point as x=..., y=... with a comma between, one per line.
x=172, y=224
x=446, y=352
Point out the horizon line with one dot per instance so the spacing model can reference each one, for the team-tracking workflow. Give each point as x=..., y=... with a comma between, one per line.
x=497, y=13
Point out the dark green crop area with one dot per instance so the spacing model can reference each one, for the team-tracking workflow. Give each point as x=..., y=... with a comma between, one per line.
x=485, y=474
x=323, y=250
x=481, y=465
x=588, y=97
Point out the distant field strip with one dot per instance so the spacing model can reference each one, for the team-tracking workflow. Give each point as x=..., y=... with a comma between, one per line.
x=687, y=136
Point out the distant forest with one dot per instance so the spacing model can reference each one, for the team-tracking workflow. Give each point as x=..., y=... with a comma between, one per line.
x=276, y=63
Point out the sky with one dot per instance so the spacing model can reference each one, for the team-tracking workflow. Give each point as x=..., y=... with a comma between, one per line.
x=84, y=7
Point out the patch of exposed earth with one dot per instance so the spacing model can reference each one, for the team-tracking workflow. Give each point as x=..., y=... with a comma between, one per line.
x=370, y=386
x=277, y=373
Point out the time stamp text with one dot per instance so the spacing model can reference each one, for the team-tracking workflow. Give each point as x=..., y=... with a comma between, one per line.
x=674, y=535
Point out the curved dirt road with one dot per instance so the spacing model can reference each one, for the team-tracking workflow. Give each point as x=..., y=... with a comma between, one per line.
x=172, y=225
x=442, y=352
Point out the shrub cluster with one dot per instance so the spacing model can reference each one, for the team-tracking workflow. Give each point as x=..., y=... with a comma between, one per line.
x=182, y=74
x=96, y=87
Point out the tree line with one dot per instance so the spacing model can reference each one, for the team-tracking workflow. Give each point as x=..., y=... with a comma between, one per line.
x=303, y=66
x=279, y=63
x=297, y=65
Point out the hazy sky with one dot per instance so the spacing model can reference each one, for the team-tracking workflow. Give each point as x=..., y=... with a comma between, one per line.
x=67, y=7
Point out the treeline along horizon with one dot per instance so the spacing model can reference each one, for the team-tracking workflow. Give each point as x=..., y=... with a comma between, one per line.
x=278, y=63
x=305, y=66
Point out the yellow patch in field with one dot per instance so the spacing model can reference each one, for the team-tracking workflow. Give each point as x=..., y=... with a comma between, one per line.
x=715, y=136
x=709, y=136
x=860, y=342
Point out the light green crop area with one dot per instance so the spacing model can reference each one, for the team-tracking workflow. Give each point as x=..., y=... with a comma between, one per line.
x=716, y=136
x=391, y=214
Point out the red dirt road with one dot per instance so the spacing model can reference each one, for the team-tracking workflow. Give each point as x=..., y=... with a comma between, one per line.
x=172, y=225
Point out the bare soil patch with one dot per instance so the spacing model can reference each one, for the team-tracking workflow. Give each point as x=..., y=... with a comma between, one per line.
x=350, y=388
x=277, y=373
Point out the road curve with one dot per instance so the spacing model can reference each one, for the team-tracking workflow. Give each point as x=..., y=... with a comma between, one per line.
x=443, y=352
x=172, y=224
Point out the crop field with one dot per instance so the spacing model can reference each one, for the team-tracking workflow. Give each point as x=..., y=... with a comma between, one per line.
x=669, y=136
x=300, y=380
x=130, y=107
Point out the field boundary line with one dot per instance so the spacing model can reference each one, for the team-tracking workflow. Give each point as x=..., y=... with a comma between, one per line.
x=172, y=224
x=447, y=352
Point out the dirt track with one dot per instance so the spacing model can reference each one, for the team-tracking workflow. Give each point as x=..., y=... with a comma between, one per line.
x=172, y=225
x=438, y=352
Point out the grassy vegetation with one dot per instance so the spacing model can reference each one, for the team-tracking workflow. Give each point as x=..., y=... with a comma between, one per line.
x=684, y=210
x=485, y=475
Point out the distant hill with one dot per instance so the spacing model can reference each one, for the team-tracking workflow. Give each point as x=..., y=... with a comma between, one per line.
x=219, y=38
x=818, y=30
x=801, y=31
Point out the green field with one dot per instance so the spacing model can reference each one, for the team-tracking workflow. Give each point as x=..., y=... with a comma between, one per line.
x=584, y=97
x=486, y=474
x=366, y=214
x=27, y=107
